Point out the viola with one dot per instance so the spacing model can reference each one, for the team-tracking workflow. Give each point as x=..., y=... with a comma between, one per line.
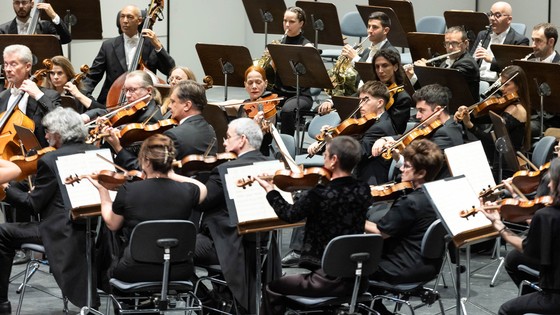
x=513, y=210
x=393, y=89
x=390, y=191
x=111, y=180
x=128, y=115
x=289, y=181
x=268, y=103
x=134, y=132
x=494, y=103
x=194, y=163
x=28, y=163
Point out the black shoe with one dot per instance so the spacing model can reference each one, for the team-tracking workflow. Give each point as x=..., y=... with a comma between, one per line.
x=21, y=257
x=5, y=308
x=291, y=259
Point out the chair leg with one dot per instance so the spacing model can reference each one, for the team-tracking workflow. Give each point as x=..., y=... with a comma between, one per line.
x=23, y=285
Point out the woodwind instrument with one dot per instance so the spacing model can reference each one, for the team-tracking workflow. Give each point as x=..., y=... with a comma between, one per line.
x=432, y=60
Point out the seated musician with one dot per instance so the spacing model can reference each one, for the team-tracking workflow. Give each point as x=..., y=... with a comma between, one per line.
x=373, y=97
x=406, y=222
x=325, y=209
x=59, y=79
x=176, y=75
x=388, y=69
x=539, y=251
x=455, y=41
x=515, y=115
x=142, y=201
x=218, y=242
x=116, y=54
x=63, y=239
x=193, y=135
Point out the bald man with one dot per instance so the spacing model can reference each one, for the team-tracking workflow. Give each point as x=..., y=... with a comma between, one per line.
x=500, y=15
x=116, y=54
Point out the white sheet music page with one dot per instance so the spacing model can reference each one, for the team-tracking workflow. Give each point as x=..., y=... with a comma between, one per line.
x=250, y=202
x=470, y=160
x=450, y=196
x=83, y=193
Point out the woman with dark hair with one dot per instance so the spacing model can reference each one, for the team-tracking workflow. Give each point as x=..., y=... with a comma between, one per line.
x=539, y=250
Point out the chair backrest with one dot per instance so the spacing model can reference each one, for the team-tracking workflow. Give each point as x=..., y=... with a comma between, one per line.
x=143, y=247
x=331, y=119
x=431, y=24
x=543, y=150
x=353, y=25
x=434, y=242
x=336, y=260
x=519, y=27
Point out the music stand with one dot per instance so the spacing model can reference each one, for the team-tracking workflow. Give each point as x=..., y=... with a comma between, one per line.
x=300, y=66
x=226, y=64
x=322, y=24
x=216, y=116
x=451, y=78
x=397, y=35
x=404, y=10
x=505, y=54
x=425, y=45
x=262, y=12
x=503, y=145
x=473, y=22
x=345, y=105
x=42, y=46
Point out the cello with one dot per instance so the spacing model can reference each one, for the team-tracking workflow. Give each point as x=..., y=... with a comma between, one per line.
x=116, y=94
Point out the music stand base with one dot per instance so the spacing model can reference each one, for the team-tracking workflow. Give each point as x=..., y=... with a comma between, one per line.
x=88, y=310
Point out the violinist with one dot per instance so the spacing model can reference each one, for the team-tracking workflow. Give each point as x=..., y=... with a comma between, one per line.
x=62, y=238
x=538, y=250
x=21, y=23
x=117, y=53
x=373, y=97
x=338, y=208
x=176, y=75
x=406, y=222
x=59, y=79
x=455, y=41
x=515, y=115
x=37, y=101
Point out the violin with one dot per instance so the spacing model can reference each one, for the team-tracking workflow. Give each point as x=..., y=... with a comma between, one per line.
x=268, y=103
x=136, y=132
x=513, y=210
x=111, y=180
x=393, y=89
x=292, y=181
x=28, y=163
x=390, y=191
x=194, y=163
x=525, y=181
x=128, y=115
x=494, y=103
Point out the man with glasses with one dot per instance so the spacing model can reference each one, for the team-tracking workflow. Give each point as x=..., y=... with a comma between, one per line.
x=116, y=54
x=500, y=32
x=20, y=24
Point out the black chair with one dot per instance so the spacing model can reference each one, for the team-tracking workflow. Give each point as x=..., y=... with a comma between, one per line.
x=533, y=273
x=169, y=243
x=346, y=256
x=543, y=150
x=215, y=276
x=432, y=249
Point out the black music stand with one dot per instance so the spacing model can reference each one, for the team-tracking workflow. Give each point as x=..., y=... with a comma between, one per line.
x=425, y=45
x=217, y=117
x=404, y=10
x=505, y=54
x=42, y=46
x=300, y=66
x=503, y=146
x=261, y=13
x=473, y=22
x=345, y=105
x=451, y=78
x=397, y=35
x=322, y=24
x=226, y=64
x=85, y=14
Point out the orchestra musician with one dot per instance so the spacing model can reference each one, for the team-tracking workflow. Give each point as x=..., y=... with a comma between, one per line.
x=544, y=38
x=218, y=242
x=63, y=239
x=455, y=41
x=406, y=222
x=140, y=201
x=117, y=53
x=373, y=97
x=538, y=250
x=176, y=75
x=500, y=32
x=326, y=210
x=21, y=23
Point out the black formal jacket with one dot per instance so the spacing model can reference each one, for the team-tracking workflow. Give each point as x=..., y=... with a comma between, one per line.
x=447, y=136
x=556, y=58
x=36, y=110
x=236, y=262
x=111, y=61
x=43, y=27
x=469, y=69
x=512, y=38
x=64, y=240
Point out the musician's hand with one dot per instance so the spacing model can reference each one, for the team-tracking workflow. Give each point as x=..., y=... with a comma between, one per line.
x=482, y=53
x=349, y=52
x=325, y=108
x=557, y=150
x=266, y=184
x=409, y=70
x=494, y=217
x=32, y=89
x=258, y=117
x=151, y=35
x=421, y=62
x=48, y=9
x=396, y=154
x=114, y=138
x=95, y=183
x=313, y=148
x=71, y=88
x=380, y=144
x=508, y=184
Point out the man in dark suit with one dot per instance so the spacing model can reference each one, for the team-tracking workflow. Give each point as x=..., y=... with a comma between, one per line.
x=20, y=24
x=218, y=241
x=63, y=239
x=116, y=54
x=36, y=101
x=544, y=37
x=500, y=32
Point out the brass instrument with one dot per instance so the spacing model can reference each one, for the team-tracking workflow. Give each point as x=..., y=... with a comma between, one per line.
x=264, y=61
x=343, y=76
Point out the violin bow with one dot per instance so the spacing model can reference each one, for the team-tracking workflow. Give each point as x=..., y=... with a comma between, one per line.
x=120, y=168
x=210, y=146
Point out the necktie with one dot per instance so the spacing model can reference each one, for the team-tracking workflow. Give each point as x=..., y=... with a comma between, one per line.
x=15, y=91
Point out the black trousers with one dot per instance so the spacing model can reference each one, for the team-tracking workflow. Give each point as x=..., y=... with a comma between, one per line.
x=288, y=113
x=537, y=302
x=515, y=258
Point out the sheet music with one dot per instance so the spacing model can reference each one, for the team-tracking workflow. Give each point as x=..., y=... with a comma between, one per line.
x=83, y=193
x=451, y=195
x=251, y=203
x=470, y=160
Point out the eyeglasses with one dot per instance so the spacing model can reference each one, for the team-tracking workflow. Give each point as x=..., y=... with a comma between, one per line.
x=496, y=15
x=452, y=44
x=132, y=90
x=23, y=3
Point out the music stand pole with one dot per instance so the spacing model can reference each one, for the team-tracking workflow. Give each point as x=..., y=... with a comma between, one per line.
x=227, y=68
x=298, y=69
x=267, y=18
x=318, y=25
x=89, y=235
x=544, y=90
